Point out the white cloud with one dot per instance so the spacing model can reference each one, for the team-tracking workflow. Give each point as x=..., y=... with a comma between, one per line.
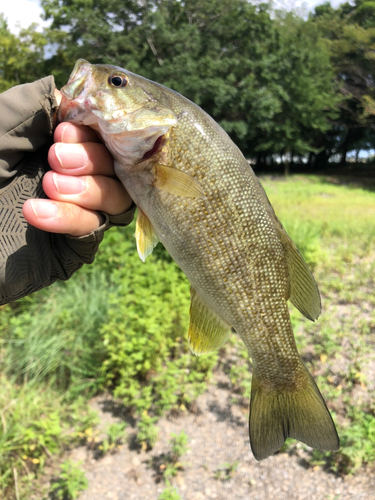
x=22, y=13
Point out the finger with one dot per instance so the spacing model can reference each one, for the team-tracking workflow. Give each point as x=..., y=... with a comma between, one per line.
x=58, y=217
x=92, y=192
x=89, y=158
x=58, y=96
x=71, y=133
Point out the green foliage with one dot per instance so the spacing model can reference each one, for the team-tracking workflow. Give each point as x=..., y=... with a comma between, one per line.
x=147, y=432
x=172, y=460
x=36, y=423
x=71, y=482
x=179, y=445
x=21, y=57
x=349, y=33
x=115, y=437
x=148, y=362
x=226, y=471
x=169, y=493
x=268, y=81
x=56, y=338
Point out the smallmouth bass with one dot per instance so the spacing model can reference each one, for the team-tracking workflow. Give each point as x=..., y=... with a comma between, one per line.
x=196, y=193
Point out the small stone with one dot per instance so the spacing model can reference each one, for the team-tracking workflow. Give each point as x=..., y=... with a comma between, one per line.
x=180, y=481
x=136, y=461
x=199, y=496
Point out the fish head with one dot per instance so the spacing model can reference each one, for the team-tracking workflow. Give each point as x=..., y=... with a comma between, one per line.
x=115, y=101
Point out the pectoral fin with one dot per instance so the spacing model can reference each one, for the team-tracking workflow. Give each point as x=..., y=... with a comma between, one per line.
x=175, y=182
x=207, y=332
x=145, y=235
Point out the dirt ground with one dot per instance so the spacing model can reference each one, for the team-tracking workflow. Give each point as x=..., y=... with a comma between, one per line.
x=218, y=437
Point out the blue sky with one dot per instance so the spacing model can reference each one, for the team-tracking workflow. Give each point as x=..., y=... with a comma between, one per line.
x=26, y=12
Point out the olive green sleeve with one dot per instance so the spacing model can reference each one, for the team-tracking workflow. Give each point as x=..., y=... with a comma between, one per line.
x=31, y=259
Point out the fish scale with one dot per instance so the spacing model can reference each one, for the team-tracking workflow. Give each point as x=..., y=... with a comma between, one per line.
x=197, y=194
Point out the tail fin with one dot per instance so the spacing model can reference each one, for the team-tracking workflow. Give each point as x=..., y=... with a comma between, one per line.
x=300, y=414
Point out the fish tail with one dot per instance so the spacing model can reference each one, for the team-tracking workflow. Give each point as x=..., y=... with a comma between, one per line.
x=298, y=413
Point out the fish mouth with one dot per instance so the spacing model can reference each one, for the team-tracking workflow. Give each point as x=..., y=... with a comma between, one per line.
x=70, y=107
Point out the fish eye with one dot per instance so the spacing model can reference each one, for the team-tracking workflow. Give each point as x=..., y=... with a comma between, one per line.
x=118, y=81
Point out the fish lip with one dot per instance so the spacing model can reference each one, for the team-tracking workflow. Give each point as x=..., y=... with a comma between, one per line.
x=73, y=104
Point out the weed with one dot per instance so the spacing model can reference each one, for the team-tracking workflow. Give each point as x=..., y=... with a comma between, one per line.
x=115, y=437
x=169, y=493
x=226, y=471
x=147, y=432
x=36, y=422
x=70, y=483
x=179, y=446
x=148, y=363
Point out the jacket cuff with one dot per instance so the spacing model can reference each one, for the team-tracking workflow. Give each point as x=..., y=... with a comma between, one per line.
x=120, y=220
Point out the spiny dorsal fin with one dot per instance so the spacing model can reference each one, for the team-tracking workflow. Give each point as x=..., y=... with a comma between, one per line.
x=207, y=332
x=176, y=182
x=145, y=236
x=278, y=414
x=304, y=292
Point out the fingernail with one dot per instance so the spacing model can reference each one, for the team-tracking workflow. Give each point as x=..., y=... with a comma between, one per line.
x=65, y=184
x=63, y=131
x=44, y=209
x=71, y=155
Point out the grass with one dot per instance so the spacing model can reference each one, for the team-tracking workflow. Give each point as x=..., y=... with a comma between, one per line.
x=121, y=324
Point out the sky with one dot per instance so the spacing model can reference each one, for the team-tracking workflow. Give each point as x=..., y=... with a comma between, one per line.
x=26, y=12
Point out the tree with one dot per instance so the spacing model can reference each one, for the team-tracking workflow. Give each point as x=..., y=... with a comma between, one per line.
x=21, y=57
x=350, y=34
x=267, y=82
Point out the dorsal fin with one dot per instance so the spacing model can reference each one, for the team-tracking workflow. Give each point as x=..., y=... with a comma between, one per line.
x=207, y=332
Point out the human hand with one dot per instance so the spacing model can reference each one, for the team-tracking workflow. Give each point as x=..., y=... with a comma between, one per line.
x=78, y=186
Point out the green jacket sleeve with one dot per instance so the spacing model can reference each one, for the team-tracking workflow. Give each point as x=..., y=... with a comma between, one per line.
x=31, y=259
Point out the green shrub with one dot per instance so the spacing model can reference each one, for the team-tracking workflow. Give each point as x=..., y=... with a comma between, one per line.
x=115, y=437
x=169, y=493
x=70, y=483
x=147, y=431
x=36, y=423
x=148, y=363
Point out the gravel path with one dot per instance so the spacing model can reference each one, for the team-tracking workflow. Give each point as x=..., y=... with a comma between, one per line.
x=217, y=435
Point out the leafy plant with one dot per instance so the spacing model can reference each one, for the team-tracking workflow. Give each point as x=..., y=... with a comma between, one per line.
x=169, y=493
x=179, y=445
x=172, y=460
x=70, y=483
x=115, y=437
x=148, y=363
x=147, y=432
x=226, y=471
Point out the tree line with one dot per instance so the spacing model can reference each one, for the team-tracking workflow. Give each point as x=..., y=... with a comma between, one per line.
x=277, y=83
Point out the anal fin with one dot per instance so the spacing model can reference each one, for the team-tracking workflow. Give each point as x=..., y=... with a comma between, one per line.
x=207, y=332
x=145, y=235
